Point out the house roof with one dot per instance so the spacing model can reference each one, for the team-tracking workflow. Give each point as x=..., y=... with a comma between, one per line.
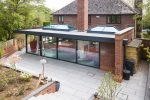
x=99, y=7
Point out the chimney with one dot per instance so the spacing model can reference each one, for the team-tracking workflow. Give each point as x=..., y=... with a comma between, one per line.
x=82, y=15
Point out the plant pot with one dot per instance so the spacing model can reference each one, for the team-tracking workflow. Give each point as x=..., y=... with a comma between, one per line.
x=33, y=46
x=126, y=75
x=57, y=85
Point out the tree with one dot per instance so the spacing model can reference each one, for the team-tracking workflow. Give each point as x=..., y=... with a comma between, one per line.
x=18, y=14
x=146, y=15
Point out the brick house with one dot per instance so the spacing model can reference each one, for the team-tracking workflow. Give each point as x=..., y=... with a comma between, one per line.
x=101, y=47
x=119, y=13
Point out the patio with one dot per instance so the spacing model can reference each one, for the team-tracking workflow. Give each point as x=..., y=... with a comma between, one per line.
x=80, y=82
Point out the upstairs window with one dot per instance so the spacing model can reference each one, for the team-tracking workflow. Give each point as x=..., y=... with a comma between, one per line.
x=60, y=19
x=89, y=19
x=114, y=19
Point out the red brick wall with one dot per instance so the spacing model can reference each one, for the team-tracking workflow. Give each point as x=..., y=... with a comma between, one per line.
x=126, y=21
x=107, y=56
x=82, y=15
x=48, y=90
x=71, y=20
x=119, y=48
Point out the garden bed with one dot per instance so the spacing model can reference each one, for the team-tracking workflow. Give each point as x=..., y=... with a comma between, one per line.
x=15, y=85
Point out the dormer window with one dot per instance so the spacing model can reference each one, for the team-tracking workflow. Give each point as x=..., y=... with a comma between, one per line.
x=60, y=19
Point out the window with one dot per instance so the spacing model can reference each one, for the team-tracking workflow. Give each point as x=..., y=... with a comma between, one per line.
x=114, y=19
x=33, y=44
x=49, y=46
x=67, y=49
x=89, y=19
x=60, y=19
x=88, y=53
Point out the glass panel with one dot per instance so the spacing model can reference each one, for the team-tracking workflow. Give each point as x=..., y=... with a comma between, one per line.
x=67, y=49
x=113, y=20
x=33, y=44
x=88, y=53
x=108, y=19
x=49, y=47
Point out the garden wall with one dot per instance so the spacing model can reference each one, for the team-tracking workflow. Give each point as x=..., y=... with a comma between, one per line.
x=11, y=46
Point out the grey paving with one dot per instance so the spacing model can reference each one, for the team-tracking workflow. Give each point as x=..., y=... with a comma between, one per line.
x=80, y=82
x=147, y=96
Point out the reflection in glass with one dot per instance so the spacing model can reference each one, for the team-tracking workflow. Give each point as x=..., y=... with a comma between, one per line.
x=67, y=50
x=33, y=44
x=49, y=47
x=88, y=53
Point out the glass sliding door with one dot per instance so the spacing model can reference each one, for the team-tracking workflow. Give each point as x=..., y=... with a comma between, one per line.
x=67, y=49
x=33, y=44
x=88, y=53
x=49, y=45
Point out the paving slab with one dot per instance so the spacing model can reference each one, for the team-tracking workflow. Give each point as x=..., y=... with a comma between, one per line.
x=80, y=82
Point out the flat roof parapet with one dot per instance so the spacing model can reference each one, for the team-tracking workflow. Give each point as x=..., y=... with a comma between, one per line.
x=124, y=31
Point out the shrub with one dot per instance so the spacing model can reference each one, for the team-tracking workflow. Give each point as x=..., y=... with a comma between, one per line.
x=148, y=53
x=21, y=90
x=3, y=81
x=1, y=52
x=46, y=23
x=108, y=87
x=25, y=77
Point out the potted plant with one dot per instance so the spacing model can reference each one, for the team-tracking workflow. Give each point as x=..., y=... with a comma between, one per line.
x=33, y=45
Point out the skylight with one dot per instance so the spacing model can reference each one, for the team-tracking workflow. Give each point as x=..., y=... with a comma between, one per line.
x=104, y=29
x=58, y=27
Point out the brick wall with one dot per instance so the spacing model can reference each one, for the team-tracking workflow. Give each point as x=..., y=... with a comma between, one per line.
x=107, y=56
x=82, y=15
x=48, y=90
x=126, y=21
x=71, y=20
x=9, y=47
x=119, y=48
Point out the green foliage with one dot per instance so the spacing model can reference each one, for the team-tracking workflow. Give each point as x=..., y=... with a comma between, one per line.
x=148, y=53
x=46, y=23
x=3, y=81
x=146, y=35
x=17, y=14
x=25, y=77
x=146, y=15
x=108, y=87
x=21, y=89
x=1, y=52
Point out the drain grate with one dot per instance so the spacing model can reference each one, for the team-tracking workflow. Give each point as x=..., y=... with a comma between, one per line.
x=91, y=74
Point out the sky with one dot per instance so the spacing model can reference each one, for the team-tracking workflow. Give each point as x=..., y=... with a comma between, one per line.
x=57, y=4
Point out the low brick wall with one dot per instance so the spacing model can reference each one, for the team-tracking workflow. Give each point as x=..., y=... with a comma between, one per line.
x=49, y=89
x=9, y=47
x=46, y=89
